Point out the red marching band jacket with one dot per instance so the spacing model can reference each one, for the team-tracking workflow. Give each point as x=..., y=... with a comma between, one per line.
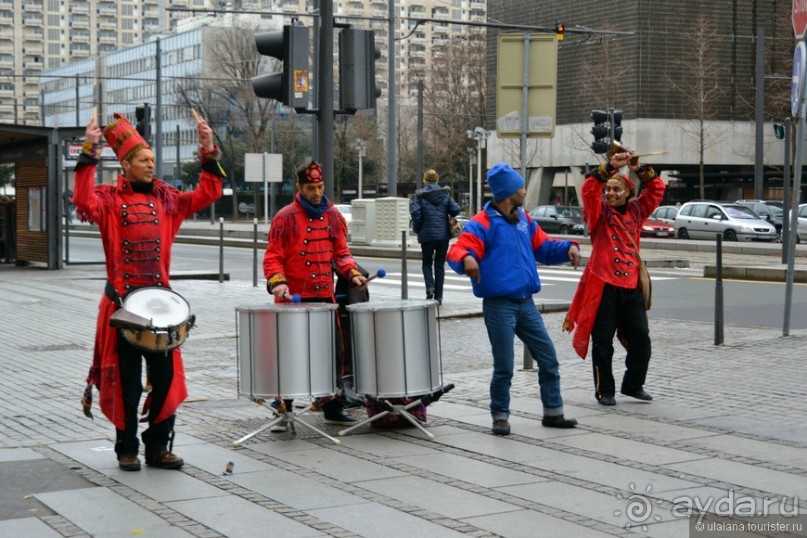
x=137, y=231
x=614, y=258
x=301, y=248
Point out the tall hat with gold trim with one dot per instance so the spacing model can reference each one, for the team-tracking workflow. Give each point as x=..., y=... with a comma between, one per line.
x=310, y=173
x=123, y=138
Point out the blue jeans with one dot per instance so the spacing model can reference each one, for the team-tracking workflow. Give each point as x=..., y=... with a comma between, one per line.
x=436, y=251
x=504, y=319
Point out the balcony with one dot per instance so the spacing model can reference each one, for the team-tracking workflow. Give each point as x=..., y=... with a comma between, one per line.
x=31, y=22
x=107, y=25
x=79, y=53
x=32, y=7
x=81, y=9
x=80, y=23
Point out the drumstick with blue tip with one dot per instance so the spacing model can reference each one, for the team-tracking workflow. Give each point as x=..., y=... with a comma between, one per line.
x=293, y=297
x=381, y=273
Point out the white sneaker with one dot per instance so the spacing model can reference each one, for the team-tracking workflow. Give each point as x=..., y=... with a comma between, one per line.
x=280, y=427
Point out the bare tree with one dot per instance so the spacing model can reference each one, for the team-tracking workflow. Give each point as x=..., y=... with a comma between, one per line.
x=454, y=100
x=702, y=92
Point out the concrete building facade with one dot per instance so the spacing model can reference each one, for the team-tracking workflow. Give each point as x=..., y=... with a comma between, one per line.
x=671, y=66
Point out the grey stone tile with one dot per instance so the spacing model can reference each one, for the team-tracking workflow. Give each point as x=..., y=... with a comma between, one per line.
x=378, y=521
x=786, y=430
x=100, y=510
x=456, y=411
x=386, y=447
x=627, y=449
x=235, y=517
x=19, y=454
x=469, y=470
x=609, y=509
x=282, y=445
x=432, y=495
x=646, y=428
x=27, y=527
x=337, y=465
x=213, y=459
x=526, y=524
x=164, y=485
x=666, y=529
x=294, y=490
x=159, y=484
x=752, y=448
x=744, y=474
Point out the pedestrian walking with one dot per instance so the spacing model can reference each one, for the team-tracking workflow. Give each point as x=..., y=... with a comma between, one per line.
x=498, y=250
x=432, y=206
x=608, y=299
x=138, y=217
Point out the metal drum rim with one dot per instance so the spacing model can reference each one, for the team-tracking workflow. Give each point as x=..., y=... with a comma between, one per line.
x=277, y=307
x=408, y=304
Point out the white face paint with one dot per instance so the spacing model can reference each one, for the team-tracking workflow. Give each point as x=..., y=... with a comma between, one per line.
x=615, y=193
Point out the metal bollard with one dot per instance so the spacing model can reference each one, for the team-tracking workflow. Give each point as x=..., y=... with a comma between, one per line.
x=719, y=291
x=404, y=274
x=528, y=360
x=221, y=250
x=254, y=253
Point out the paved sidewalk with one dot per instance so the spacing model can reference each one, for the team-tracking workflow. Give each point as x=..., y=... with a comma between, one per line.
x=727, y=423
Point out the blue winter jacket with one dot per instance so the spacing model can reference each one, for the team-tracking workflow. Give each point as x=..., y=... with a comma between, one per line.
x=430, y=209
x=506, y=253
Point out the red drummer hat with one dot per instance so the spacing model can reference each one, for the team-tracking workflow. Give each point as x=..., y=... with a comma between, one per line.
x=123, y=138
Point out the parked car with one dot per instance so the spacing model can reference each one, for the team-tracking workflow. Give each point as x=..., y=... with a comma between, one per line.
x=347, y=211
x=665, y=213
x=657, y=228
x=802, y=229
x=706, y=219
x=561, y=219
x=770, y=210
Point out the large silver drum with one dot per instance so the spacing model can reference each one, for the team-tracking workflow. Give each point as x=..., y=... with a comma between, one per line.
x=395, y=348
x=286, y=350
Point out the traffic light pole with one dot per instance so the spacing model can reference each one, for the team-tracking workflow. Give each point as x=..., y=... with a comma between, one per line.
x=325, y=94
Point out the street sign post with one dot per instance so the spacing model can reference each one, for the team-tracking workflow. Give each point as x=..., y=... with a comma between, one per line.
x=799, y=18
x=797, y=81
x=266, y=167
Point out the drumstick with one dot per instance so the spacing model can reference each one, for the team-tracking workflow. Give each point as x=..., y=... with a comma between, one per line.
x=381, y=273
x=294, y=298
x=648, y=153
x=196, y=115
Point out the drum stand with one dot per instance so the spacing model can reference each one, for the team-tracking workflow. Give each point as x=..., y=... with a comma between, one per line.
x=401, y=410
x=291, y=418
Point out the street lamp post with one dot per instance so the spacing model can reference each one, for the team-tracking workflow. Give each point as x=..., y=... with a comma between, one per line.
x=360, y=145
x=471, y=163
x=480, y=134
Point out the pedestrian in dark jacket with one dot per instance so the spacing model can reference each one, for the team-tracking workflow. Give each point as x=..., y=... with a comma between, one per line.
x=431, y=208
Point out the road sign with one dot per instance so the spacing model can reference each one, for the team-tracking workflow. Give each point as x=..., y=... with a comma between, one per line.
x=541, y=85
x=263, y=167
x=799, y=18
x=797, y=81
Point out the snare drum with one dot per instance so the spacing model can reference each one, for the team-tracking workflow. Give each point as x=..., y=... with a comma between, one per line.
x=154, y=319
x=286, y=350
x=395, y=348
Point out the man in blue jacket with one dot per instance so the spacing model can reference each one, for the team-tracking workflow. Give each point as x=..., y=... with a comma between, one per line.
x=431, y=207
x=498, y=249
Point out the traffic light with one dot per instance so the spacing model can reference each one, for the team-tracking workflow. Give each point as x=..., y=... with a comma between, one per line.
x=290, y=85
x=616, y=123
x=143, y=121
x=779, y=130
x=560, y=29
x=358, y=52
x=600, y=131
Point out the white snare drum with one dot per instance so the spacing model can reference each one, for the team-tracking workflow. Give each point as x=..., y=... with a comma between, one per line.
x=395, y=348
x=154, y=319
x=286, y=350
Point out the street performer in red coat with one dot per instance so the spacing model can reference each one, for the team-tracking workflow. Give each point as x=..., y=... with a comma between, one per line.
x=138, y=218
x=307, y=242
x=608, y=300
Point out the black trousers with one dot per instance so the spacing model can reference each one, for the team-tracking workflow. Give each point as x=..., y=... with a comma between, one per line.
x=623, y=310
x=160, y=368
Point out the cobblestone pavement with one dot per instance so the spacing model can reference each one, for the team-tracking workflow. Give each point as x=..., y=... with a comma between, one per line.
x=727, y=422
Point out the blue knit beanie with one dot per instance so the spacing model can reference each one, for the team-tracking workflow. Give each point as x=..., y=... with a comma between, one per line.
x=504, y=181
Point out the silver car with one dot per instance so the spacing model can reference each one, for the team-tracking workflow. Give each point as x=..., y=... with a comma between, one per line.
x=706, y=219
